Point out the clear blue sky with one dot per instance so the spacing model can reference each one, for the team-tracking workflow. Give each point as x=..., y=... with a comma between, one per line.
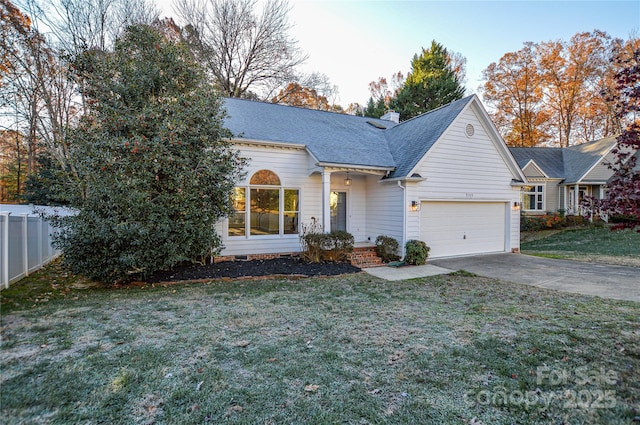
x=355, y=42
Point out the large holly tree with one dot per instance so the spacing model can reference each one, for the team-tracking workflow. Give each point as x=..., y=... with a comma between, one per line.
x=150, y=165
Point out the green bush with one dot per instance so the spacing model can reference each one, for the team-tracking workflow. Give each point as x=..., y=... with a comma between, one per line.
x=148, y=173
x=387, y=248
x=416, y=252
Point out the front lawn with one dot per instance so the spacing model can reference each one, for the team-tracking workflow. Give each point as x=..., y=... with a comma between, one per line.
x=587, y=243
x=454, y=349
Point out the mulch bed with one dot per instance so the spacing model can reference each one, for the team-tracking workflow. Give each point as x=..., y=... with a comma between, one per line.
x=253, y=268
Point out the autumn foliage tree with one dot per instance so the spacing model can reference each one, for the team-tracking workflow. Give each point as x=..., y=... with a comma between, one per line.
x=382, y=92
x=623, y=194
x=571, y=73
x=305, y=97
x=553, y=93
x=514, y=88
x=14, y=25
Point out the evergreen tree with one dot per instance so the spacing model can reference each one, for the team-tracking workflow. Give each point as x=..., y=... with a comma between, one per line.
x=375, y=109
x=432, y=82
x=150, y=166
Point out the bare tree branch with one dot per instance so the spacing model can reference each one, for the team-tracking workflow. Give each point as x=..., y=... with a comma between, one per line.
x=246, y=52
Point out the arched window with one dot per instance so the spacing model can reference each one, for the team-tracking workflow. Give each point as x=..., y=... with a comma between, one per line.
x=272, y=209
x=265, y=178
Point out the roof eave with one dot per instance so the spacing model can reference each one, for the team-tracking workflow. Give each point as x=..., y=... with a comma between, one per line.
x=402, y=179
x=519, y=183
x=354, y=166
x=268, y=143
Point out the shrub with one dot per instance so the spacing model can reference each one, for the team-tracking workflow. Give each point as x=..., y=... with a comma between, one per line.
x=312, y=241
x=416, y=252
x=622, y=218
x=317, y=246
x=387, y=248
x=549, y=220
x=340, y=245
x=576, y=220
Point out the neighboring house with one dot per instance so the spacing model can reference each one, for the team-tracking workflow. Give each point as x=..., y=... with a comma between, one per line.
x=560, y=178
x=445, y=177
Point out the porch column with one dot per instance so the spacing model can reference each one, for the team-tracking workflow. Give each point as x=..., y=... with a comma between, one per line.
x=326, y=198
x=576, y=197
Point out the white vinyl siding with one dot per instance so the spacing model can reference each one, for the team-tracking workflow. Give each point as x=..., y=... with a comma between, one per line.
x=385, y=202
x=292, y=167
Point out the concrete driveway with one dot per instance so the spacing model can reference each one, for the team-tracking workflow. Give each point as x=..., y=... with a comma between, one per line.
x=606, y=281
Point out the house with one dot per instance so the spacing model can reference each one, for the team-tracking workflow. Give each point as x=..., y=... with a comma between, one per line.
x=445, y=177
x=560, y=178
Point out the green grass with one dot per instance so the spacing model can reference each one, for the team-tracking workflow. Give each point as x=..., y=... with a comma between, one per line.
x=589, y=240
x=352, y=350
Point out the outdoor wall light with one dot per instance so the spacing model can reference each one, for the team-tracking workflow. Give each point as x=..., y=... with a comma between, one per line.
x=348, y=181
x=415, y=206
x=516, y=205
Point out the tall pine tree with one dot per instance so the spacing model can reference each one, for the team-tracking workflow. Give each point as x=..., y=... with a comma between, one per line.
x=432, y=82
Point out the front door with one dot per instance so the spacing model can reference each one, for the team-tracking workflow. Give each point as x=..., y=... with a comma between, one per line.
x=338, y=205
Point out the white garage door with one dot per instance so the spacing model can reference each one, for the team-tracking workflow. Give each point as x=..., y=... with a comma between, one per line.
x=462, y=228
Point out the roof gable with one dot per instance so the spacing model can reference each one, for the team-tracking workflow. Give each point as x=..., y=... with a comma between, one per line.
x=580, y=159
x=571, y=164
x=549, y=160
x=410, y=140
x=533, y=170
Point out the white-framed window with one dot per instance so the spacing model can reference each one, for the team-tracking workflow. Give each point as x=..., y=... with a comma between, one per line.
x=265, y=207
x=533, y=198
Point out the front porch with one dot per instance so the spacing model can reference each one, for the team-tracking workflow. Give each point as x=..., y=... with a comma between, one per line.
x=364, y=255
x=575, y=194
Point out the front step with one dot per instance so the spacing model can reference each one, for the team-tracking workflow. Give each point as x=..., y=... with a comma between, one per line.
x=365, y=256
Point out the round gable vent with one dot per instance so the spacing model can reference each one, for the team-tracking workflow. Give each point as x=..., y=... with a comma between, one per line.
x=470, y=130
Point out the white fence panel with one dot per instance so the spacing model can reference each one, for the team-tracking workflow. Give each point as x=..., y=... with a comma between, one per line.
x=25, y=242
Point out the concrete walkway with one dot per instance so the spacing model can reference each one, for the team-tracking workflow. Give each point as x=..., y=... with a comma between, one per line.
x=406, y=272
x=607, y=281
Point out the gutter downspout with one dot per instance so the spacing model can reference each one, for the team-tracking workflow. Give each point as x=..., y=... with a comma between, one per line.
x=404, y=217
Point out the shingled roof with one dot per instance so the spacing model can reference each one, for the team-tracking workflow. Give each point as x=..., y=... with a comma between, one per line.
x=330, y=137
x=549, y=160
x=570, y=164
x=347, y=140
